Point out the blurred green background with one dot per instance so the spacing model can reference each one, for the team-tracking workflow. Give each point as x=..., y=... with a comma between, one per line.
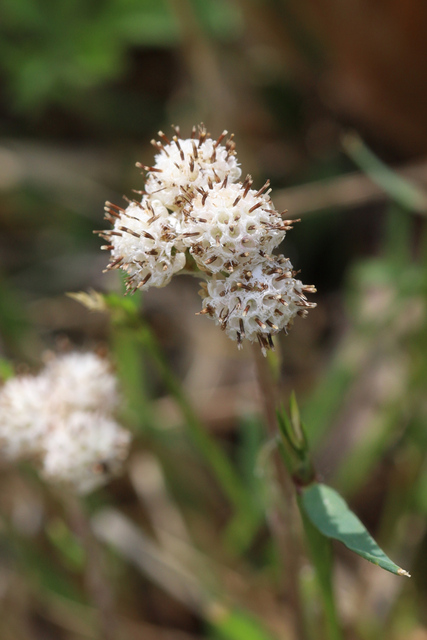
x=327, y=100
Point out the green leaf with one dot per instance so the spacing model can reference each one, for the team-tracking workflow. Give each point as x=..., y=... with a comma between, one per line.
x=330, y=514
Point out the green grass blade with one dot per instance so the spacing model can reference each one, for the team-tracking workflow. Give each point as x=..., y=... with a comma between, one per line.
x=238, y=625
x=402, y=191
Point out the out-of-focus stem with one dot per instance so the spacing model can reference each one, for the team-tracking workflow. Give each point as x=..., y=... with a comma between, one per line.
x=224, y=472
x=199, y=55
x=320, y=549
x=97, y=584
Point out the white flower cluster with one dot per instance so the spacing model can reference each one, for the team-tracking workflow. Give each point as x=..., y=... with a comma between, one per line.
x=195, y=213
x=63, y=420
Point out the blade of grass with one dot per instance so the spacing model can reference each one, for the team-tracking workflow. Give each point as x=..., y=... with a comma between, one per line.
x=130, y=332
x=168, y=573
x=224, y=472
x=404, y=192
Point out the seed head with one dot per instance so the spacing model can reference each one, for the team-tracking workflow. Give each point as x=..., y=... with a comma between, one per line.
x=255, y=305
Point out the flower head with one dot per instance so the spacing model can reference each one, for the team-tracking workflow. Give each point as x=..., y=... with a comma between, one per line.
x=256, y=304
x=194, y=206
x=143, y=243
x=24, y=419
x=81, y=381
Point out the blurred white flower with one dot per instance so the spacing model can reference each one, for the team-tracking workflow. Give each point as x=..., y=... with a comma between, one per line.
x=62, y=420
x=184, y=165
x=256, y=304
x=81, y=381
x=24, y=419
x=84, y=449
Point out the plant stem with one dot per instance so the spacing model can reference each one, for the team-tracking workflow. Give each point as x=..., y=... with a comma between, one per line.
x=297, y=462
x=224, y=472
x=96, y=583
x=283, y=529
x=320, y=549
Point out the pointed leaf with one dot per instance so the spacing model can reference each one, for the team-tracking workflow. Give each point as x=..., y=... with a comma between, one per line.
x=330, y=514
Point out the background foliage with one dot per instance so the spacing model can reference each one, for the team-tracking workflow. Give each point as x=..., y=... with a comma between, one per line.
x=84, y=87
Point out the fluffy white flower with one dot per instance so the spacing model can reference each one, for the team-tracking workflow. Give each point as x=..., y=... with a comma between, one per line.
x=228, y=225
x=143, y=242
x=62, y=420
x=258, y=303
x=81, y=381
x=184, y=165
x=24, y=419
x=83, y=449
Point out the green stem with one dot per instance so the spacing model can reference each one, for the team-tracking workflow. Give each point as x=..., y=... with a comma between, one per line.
x=212, y=453
x=320, y=549
x=97, y=584
x=281, y=524
x=293, y=455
